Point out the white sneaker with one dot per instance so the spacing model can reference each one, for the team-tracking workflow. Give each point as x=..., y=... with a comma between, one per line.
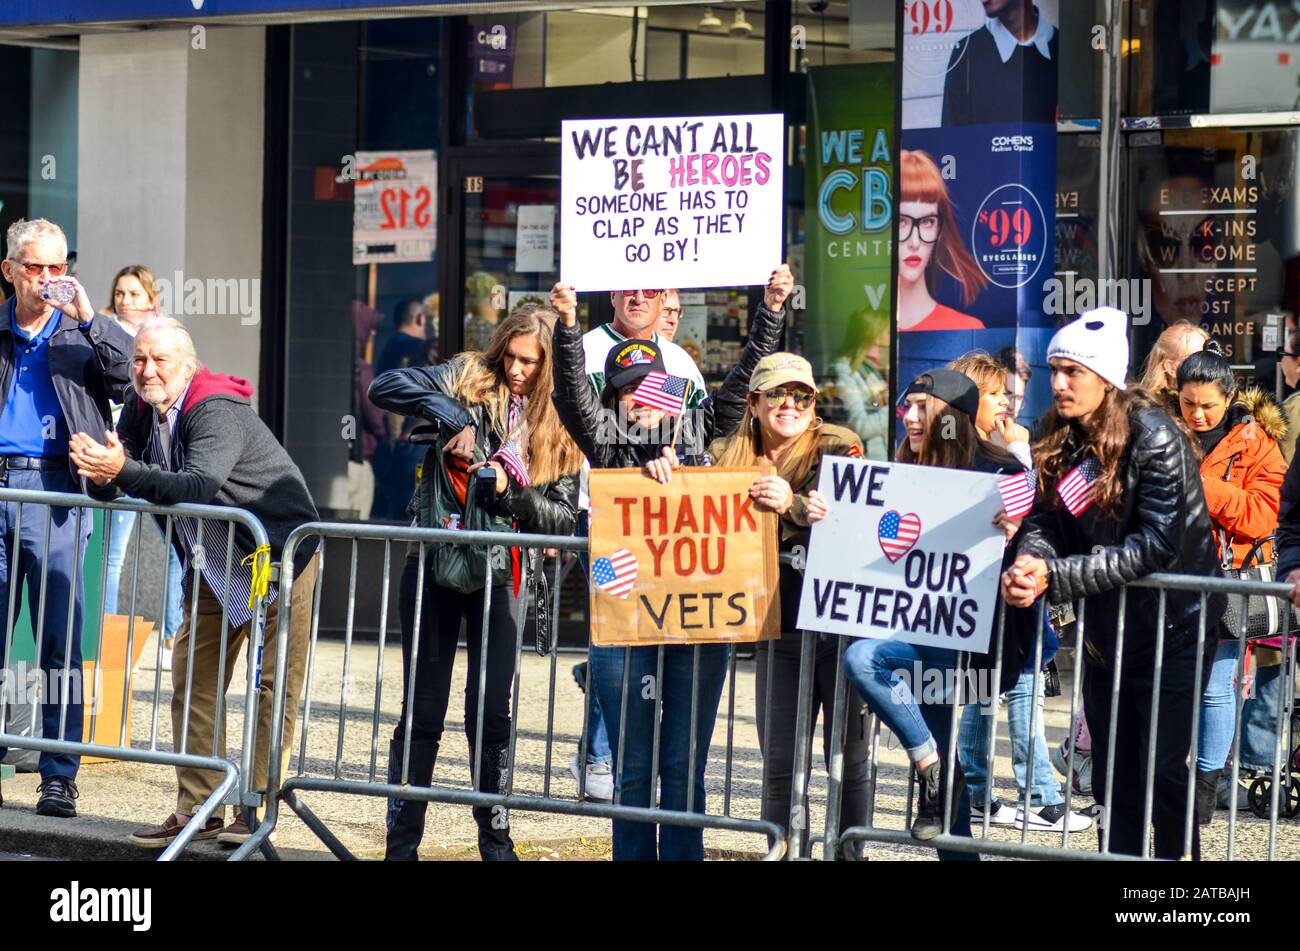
x=1054, y=819
x=166, y=658
x=599, y=781
x=1000, y=814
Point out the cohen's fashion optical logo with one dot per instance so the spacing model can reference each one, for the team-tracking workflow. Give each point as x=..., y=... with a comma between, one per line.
x=1011, y=143
x=78, y=905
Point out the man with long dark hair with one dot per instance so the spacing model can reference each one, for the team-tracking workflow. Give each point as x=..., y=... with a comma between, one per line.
x=1119, y=498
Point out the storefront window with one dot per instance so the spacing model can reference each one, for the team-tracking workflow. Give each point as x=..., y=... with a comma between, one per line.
x=1215, y=238
x=363, y=287
x=1213, y=56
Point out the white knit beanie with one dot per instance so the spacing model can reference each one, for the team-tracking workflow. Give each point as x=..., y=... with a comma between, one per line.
x=1097, y=339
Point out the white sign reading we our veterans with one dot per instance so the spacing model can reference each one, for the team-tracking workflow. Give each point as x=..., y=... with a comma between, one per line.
x=907, y=552
x=680, y=202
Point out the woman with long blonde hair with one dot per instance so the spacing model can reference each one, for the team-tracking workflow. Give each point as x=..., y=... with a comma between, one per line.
x=499, y=447
x=781, y=429
x=1178, y=342
x=929, y=244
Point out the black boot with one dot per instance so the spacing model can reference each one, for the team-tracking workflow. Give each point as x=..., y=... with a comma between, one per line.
x=929, y=803
x=405, y=819
x=1207, y=794
x=494, y=842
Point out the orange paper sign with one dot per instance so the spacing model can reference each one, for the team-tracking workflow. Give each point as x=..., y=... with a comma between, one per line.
x=691, y=562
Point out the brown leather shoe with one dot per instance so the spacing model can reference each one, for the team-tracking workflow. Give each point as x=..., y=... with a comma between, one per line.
x=237, y=833
x=161, y=836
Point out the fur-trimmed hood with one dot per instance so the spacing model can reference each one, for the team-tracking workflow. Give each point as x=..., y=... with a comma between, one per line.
x=1263, y=409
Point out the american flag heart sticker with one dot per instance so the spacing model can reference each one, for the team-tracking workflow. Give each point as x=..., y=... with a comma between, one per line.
x=615, y=574
x=898, y=533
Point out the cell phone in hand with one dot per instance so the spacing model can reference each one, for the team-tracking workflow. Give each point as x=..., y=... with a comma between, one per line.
x=486, y=482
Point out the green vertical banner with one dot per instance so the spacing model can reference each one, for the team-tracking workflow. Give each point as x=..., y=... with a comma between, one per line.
x=24, y=645
x=848, y=208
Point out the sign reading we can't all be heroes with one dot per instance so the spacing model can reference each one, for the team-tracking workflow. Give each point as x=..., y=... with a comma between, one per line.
x=679, y=202
x=691, y=562
x=907, y=553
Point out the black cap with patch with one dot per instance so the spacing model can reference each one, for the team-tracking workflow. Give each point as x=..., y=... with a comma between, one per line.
x=630, y=361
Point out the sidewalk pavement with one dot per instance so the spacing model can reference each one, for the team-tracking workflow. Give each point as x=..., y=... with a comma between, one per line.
x=118, y=797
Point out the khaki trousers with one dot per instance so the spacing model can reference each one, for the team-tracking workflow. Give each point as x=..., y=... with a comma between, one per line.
x=196, y=785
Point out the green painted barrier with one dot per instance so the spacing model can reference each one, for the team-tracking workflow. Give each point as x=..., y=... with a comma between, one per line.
x=24, y=647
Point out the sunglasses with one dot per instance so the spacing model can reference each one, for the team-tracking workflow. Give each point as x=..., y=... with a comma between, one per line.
x=778, y=395
x=34, y=270
x=648, y=295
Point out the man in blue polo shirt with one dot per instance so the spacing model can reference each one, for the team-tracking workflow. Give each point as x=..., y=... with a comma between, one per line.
x=58, y=370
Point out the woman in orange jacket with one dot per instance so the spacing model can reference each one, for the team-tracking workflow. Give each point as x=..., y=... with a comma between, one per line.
x=1242, y=471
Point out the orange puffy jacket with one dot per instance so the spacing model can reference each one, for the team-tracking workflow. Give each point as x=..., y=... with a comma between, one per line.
x=1245, y=504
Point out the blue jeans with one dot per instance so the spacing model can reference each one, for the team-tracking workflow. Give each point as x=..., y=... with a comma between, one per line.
x=1218, y=709
x=882, y=672
x=597, y=733
x=973, y=746
x=174, y=611
x=20, y=560
x=636, y=841
x=1259, y=720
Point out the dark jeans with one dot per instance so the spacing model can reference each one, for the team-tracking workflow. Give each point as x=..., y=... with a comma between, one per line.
x=635, y=841
x=1132, y=738
x=776, y=729
x=21, y=560
x=443, y=610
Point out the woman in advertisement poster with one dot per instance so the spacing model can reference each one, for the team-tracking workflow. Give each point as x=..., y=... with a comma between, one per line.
x=781, y=429
x=929, y=243
x=941, y=409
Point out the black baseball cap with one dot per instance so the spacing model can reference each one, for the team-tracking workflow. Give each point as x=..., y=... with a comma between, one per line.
x=631, y=361
x=956, y=389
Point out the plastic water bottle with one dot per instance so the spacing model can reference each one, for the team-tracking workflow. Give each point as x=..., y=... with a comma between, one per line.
x=60, y=292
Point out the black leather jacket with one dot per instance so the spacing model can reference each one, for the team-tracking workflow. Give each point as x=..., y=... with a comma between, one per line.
x=425, y=393
x=1163, y=526
x=607, y=444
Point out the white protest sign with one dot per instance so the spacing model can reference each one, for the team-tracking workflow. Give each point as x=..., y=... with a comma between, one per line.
x=681, y=202
x=394, y=206
x=907, y=553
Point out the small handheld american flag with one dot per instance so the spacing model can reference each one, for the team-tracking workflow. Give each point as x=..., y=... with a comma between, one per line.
x=662, y=391
x=1077, y=488
x=1018, y=493
x=508, y=456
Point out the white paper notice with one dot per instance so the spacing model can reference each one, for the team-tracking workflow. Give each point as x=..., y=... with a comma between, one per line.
x=680, y=202
x=535, y=238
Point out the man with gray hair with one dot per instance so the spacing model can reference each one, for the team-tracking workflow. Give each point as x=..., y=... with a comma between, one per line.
x=60, y=365
x=192, y=436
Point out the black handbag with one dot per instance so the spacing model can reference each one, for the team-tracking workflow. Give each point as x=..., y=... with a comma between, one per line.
x=1264, y=616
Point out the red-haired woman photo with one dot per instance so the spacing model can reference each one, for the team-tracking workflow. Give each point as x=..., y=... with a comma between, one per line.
x=928, y=242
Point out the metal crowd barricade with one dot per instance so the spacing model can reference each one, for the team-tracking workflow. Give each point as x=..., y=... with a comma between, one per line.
x=1096, y=845
x=232, y=788
x=289, y=790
